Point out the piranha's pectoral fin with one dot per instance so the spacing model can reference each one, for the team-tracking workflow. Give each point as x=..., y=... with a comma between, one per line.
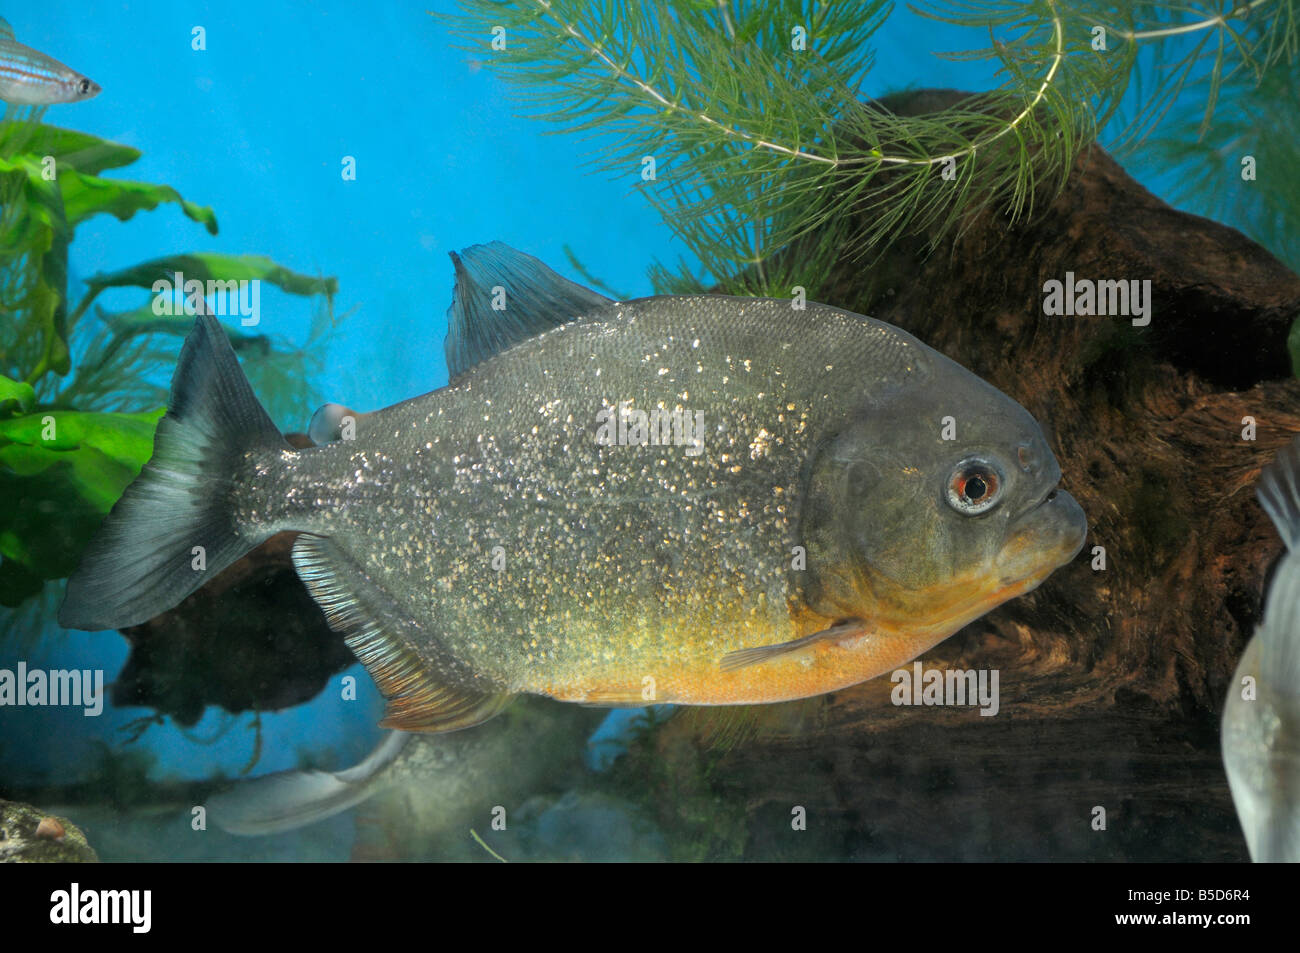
x=426, y=690
x=504, y=297
x=744, y=658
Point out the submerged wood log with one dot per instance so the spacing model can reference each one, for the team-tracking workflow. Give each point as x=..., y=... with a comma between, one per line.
x=1112, y=681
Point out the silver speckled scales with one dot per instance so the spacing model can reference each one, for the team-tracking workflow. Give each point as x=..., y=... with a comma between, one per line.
x=481, y=534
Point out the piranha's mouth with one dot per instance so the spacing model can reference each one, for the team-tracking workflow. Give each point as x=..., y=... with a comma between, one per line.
x=1040, y=540
x=1046, y=536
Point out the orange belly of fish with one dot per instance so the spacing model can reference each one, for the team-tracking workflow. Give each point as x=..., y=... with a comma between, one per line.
x=814, y=670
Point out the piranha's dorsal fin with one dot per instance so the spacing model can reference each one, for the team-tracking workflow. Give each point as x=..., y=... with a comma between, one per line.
x=424, y=690
x=535, y=299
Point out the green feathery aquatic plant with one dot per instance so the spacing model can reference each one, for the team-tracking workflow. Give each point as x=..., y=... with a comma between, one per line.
x=80, y=392
x=750, y=113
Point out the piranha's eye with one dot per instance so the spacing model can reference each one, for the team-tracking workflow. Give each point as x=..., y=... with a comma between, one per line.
x=975, y=486
x=84, y=86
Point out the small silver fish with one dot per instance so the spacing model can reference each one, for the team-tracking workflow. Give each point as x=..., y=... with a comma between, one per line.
x=1261, y=718
x=30, y=78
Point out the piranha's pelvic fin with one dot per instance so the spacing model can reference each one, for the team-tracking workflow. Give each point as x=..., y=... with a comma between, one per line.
x=483, y=321
x=174, y=527
x=747, y=657
x=289, y=799
x=426, y=690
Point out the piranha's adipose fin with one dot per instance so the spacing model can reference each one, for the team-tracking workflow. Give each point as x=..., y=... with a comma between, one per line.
x=289, y=799
x=330, y=423
x=422, y=696
x=1279, y=635
x=744, y=658
x=481, y=322
x=179, y=513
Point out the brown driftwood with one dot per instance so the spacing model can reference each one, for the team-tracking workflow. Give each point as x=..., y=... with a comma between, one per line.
x=1112, y=681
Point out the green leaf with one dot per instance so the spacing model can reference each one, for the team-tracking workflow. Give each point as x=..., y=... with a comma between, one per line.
x=60, y=474
x=85, y=196
x=43, y=232
x=142, y=320
x=71, y=149
x=20, y=391
x=207, y=266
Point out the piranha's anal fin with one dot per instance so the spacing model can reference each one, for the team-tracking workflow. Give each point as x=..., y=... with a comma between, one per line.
x=504, y=297
x=744, y=658
x=421, y=695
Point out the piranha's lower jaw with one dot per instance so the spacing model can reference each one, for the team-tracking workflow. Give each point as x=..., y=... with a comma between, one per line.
x=1040, y=541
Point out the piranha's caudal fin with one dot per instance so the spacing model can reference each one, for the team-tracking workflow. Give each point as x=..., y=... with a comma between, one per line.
x=291, y=799
x=174, y=528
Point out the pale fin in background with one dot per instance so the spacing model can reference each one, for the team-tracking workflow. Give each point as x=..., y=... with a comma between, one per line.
x=292, y=799
x=1279, y=634
x=1279, y=493
x=536, y=300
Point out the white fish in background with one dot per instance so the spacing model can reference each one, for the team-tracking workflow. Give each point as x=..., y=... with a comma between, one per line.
x=1261, y=736
x=30, y=78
